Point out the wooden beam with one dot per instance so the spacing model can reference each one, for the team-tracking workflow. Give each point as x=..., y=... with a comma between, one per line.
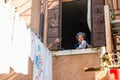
x=108, y=29
x=45, y=23
x=67, y=0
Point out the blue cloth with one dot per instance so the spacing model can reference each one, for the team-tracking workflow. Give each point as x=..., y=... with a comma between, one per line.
x=76, y=45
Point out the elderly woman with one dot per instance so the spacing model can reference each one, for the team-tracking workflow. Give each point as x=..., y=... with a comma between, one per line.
x=81, y=44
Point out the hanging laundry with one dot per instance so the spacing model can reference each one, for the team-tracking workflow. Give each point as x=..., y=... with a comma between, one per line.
x=15, y=42
x=20, y=46
x=5, y=38
x=42, y=62
x=38, y=62
x=47, y=64
x=33, y=46
x=18, y=43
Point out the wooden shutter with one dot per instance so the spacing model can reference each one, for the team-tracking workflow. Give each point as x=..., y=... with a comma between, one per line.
x=53, y=22
x=98, y=23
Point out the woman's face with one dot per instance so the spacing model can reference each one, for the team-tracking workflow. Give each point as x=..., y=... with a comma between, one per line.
x=80, y=38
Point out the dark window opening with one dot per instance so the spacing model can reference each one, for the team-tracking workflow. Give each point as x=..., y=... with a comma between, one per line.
x=74, y=20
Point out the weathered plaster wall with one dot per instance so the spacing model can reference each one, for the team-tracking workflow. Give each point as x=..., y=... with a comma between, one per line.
x=35, y=15
x=71, y=67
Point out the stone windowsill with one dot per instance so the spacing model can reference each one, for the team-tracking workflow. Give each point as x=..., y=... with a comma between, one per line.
x=75, y=51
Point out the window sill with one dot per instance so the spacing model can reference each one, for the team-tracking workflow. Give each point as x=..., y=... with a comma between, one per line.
x=75, y=51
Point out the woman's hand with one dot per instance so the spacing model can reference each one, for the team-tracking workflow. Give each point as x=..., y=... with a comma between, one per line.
x=55, y=42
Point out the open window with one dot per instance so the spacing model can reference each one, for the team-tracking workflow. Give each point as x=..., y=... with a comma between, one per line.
x=68, y=17
x=74, y=20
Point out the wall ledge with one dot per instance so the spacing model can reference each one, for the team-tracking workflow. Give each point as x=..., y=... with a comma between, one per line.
x=75, y=51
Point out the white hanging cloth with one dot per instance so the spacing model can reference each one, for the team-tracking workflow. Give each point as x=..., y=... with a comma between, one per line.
x=38, y=68
x=33, y=46
x=5, y=33
x=21, y=45
x=47, y=64
x=42, y=69
x=15, y=42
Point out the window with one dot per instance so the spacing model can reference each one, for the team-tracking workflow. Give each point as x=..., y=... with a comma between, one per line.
x=68, y=17
x=74, y=20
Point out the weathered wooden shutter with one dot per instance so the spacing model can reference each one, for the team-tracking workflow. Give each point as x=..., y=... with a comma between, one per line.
x=98, y=23
x=53, y=22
